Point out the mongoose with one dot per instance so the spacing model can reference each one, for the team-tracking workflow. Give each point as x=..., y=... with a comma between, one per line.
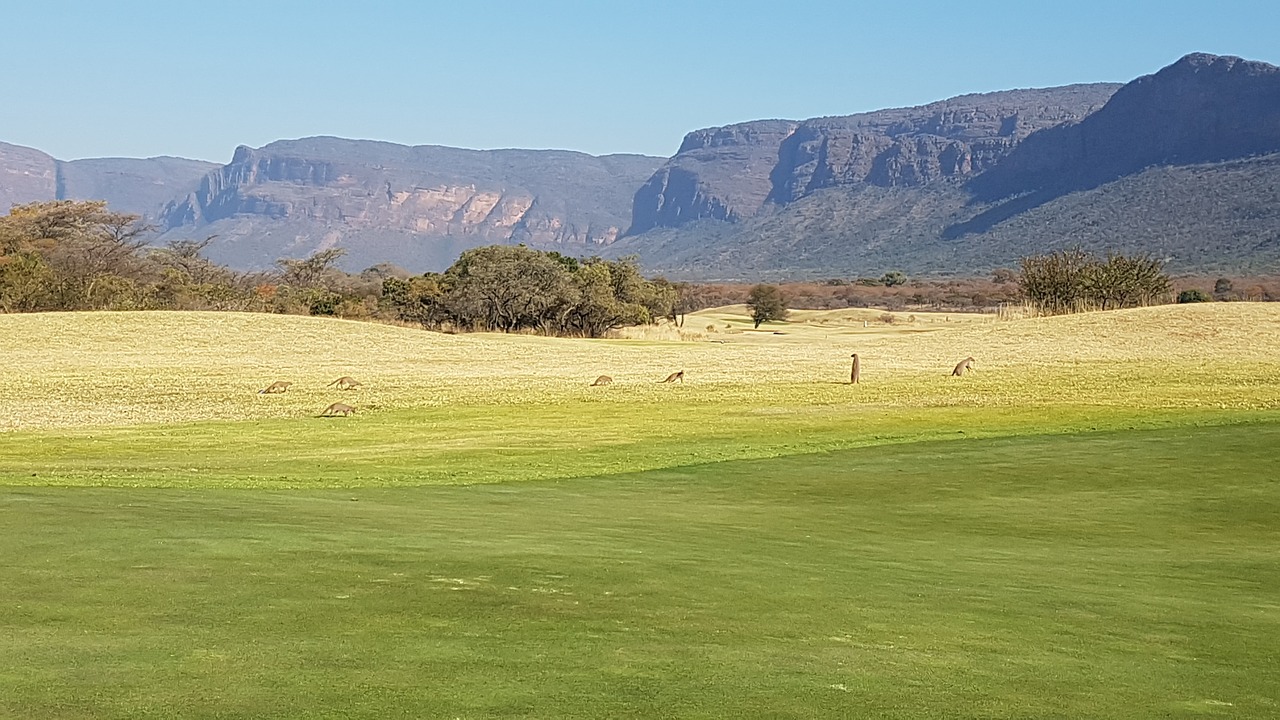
x=602, y=380
x=963, y=365
x=346, y=382
x=336, y=408
x=278, y=386
x=674, y=377
x=855, y=374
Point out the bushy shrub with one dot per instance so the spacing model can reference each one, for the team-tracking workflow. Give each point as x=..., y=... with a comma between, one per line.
x=1075, y=281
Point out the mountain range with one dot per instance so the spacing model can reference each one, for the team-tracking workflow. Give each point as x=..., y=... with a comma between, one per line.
x=1183, y=164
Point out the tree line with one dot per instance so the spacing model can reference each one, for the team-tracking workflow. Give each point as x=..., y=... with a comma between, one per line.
x=67, y=255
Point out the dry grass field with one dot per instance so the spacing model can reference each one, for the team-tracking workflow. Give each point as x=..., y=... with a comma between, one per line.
x=81, y=370
x=170, y=399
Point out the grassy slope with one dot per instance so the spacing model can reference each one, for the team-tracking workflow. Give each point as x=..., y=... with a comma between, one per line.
x=1108, y=575
x=87, y=402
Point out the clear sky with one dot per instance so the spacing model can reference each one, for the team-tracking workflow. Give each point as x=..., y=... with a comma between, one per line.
x=133, y=78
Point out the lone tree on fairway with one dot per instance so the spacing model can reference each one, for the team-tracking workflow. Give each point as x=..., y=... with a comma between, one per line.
x=766, y=303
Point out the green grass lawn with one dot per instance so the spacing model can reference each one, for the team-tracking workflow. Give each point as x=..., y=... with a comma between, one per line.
x=1119, y=574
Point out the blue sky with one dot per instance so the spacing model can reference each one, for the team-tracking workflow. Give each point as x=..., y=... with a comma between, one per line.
x=194, y=79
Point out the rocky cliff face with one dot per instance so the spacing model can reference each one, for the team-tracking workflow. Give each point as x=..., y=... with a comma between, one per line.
x=1203, y=108
x=718, y=174
x=322, y=192
x=1183, y=164
x=730, y=173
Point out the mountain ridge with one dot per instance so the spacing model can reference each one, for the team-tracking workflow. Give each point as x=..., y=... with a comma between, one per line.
x=1214, y=119
x=958, y=185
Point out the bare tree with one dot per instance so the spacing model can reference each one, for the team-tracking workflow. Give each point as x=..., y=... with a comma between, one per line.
x=308, y=271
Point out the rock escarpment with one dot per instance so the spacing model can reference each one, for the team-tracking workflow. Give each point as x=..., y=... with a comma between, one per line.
x=1183, y=164
x=718, y=174
x=731, y=173
x=362, y=195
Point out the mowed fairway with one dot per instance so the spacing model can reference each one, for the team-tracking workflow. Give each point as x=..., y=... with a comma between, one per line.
x=1089, y=527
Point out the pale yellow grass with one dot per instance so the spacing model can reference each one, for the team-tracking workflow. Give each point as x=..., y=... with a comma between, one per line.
x=94, y=369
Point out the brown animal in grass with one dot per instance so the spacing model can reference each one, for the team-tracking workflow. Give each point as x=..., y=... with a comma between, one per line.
x=602, y=380
x=674, y=377
x=346, y=382
x=964, y=366
x=278, y=386
x=855, y=374
x=337, y=408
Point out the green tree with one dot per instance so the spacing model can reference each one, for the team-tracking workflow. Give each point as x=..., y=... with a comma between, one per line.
x=766, y=302
x=1193, y=296
x=507, y=288
x=1074, y=281
x=1123, y=281
x=597, y=308
x=893, y=277
x=1056, y=283
x=26, y=283
x=85, y=256
x=416, y=299
x=1222, y=288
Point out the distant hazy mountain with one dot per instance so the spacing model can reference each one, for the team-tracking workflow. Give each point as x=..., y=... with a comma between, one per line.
x=1178, y=164
x=26, y=175
x=1184, y=164
x=418, y=207
x=129, y=185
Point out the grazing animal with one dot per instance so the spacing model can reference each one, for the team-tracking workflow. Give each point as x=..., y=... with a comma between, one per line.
x=964, y=365
x=336, y=408
x=674, y=377
x=602, y=380
x=855, y=374
x=346, y=382
x=278, y=386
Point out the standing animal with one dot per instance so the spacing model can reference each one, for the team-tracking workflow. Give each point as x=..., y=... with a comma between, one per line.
x=855, y=374
x=602, y=380
x=336, y=408
x=963, y=366
x=278, y=386
x=674, y=377
x=346, y=382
